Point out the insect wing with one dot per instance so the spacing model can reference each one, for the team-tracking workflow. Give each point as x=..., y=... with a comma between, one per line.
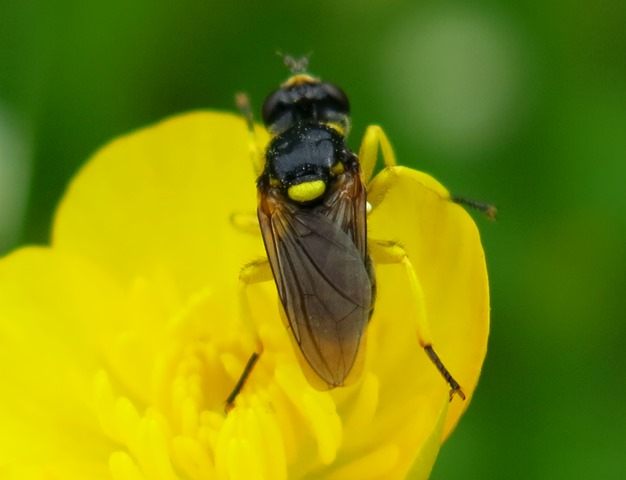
x=322, y=281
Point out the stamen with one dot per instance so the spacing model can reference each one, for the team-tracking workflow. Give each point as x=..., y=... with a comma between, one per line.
x=123, y=467
x=192, y=458
x=316, y=408
x=276, y=463
x=104, y=404
x=127, y=420
x=152, y=449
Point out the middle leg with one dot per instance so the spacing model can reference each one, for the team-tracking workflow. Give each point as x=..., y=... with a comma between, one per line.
x=254, y=272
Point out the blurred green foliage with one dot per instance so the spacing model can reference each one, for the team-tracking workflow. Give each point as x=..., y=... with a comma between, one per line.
x=522, y=104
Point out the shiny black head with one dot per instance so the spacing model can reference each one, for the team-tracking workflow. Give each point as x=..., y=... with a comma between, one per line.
x=304, y=159
x=303, y=98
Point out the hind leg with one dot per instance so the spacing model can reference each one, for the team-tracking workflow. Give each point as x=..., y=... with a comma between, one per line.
x=392, y=253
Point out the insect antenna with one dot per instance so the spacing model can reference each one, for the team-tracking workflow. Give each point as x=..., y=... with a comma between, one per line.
x=295, y=65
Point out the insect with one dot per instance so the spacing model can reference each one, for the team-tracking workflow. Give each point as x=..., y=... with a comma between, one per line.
x=312, y=212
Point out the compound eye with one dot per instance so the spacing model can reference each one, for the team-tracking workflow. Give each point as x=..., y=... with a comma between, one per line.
x=272, y=102
x=338, y=98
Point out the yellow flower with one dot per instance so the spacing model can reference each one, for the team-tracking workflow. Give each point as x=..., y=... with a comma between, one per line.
x=120, y=342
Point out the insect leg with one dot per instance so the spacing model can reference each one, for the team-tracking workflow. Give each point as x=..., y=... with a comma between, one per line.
x=374, y=139
x=254, y=272
x=392, y=253
x=256, y=155
x=245, y=222
x=384, y=181
x=490, y=211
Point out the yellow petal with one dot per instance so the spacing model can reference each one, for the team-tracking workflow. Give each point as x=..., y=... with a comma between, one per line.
x=151, y=312
x=425, y=460
x=47, y=353
x=160, y=200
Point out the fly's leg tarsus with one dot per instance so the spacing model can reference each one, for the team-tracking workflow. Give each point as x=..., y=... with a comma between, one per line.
x=490, y=211
x=230, y=401
x=455, y=388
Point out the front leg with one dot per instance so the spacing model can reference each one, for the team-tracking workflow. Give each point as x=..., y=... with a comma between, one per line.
x=246, y=223
x=488, y=209
x=375, y=139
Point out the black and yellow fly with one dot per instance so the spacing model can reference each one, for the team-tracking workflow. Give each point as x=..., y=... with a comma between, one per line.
x=312, y=212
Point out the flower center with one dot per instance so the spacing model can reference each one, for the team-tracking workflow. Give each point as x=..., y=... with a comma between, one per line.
x=178, y=423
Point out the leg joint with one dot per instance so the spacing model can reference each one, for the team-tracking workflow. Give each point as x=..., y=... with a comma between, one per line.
x=387, y=252
x=256, y=271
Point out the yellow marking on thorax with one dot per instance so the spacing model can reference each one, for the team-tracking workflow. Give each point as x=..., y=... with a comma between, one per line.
x=337, y=127
x=306, y=191
x=298, y=79
x=337, y=169
x=274, y=182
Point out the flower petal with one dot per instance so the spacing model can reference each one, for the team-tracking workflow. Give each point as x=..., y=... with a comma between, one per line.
x=150, y=219
x=161, y=199
x=47, y=353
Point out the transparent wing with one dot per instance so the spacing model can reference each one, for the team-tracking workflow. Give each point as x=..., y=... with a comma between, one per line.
x=320, y=267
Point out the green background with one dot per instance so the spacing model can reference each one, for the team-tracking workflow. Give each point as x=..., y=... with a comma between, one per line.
x=519, y=103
